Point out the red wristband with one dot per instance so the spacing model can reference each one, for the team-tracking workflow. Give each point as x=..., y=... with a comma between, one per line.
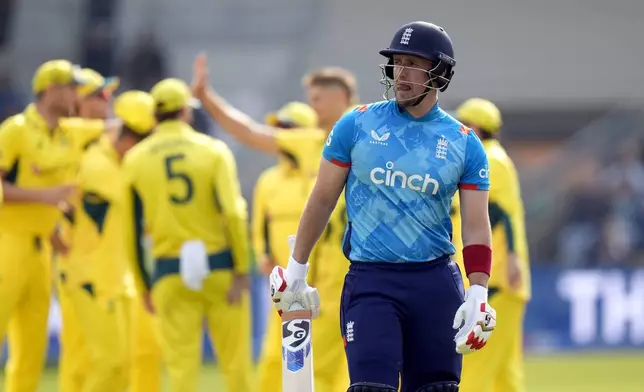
x=477, y=258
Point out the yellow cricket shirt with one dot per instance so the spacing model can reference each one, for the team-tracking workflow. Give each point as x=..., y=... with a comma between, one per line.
x=183, y=185
x=33, y=156
x=97, y=254
x=279, y=198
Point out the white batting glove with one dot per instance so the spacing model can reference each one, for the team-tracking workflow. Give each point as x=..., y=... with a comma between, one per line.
x=288, y=286
x=476, y=319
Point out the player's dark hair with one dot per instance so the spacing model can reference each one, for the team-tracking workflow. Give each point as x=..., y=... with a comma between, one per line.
x=161, y=117
x=286, y=125
x=290, y=157
x=333, y=77
x=482, y=133
x=129, y=132
x=487, y=135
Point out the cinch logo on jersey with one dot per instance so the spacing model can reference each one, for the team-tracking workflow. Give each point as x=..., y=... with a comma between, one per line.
x=329, y=138
x=484, y=173
x=394, y=178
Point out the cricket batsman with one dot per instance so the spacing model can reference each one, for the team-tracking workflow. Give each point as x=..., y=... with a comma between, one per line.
x=184, y=190
x=330, y=91
x=35, y=157
x=94, y=101
x=499, y=367
x=404, y=311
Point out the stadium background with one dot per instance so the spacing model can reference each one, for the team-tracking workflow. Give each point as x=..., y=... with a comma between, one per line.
x=566, y=74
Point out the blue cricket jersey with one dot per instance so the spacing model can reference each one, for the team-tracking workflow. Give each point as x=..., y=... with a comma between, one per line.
x=403, y=175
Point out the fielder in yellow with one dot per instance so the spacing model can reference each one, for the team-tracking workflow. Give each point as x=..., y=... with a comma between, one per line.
x=185, y=191
x=279, y=199
x=146, y=357
x=92, y=110
x=36, y=155
x=331, y=92
x=97, y=256
x=499, y=368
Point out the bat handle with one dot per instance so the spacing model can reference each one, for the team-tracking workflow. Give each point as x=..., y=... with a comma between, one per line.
x=297, y=312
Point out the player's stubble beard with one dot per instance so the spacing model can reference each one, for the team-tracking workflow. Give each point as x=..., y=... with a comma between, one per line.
x=414, y=96
x=412, y=99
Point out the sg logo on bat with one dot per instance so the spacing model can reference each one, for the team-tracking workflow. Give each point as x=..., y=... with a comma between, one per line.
x=296, y=343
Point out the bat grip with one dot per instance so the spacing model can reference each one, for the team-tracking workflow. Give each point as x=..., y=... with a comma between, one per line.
x=297, y=312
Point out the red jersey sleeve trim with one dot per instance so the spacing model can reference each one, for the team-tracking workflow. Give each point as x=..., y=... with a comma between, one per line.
x=469, y=187
x=340, y=163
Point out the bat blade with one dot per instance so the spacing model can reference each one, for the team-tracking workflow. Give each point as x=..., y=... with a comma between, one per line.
x=297, y=350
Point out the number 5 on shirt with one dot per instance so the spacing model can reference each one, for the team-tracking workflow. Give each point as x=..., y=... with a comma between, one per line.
x=174, y=174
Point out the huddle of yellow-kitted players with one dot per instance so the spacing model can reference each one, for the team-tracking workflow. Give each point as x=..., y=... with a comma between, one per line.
x=94, y=191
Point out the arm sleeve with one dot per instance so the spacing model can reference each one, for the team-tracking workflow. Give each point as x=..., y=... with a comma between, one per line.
x=134, y=234
x=339, y=143
x=259, y=221
x=233, y=207
x=9, y=145
x=504, y=189
x=476, y=172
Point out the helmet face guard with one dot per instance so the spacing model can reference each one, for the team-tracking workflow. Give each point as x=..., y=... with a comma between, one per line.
x=439, y=75
x=424, y=40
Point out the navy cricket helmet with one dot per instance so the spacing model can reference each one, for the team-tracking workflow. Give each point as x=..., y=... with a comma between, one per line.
x=425, y=40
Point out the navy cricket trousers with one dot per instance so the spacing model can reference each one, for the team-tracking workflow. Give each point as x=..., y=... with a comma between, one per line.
x=396, y=319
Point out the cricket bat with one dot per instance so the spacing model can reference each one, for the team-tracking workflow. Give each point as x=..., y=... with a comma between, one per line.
x=297, y=350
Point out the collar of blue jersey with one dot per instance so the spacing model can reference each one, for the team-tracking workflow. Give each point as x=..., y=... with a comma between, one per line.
x=433, y=113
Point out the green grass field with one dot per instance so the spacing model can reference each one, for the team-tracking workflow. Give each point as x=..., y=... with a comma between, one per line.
x=598, y=372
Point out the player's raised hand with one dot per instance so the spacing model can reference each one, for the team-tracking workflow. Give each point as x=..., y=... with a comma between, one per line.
x=200, y=75
x=476, y=320
x=288, y=286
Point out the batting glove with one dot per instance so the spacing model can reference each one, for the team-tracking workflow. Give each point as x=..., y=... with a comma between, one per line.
x=476, y=320
x=288, y=286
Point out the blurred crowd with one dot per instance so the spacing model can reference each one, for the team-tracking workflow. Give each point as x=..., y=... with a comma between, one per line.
x=604, y=221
